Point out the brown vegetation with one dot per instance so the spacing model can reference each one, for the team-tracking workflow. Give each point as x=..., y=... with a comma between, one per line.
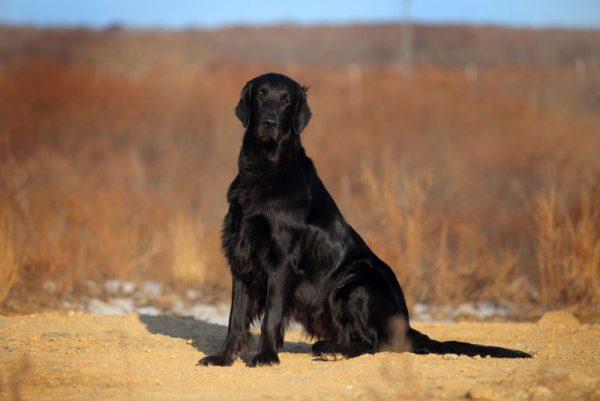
x=115, y=159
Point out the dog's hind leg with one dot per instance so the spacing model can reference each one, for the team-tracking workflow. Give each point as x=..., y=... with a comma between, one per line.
x=357, y=323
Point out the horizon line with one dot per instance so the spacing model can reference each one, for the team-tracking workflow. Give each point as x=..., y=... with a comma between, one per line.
x=292, y=23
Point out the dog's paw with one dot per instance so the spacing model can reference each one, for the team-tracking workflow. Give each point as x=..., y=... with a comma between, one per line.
x=265, y=358
x=215, y=360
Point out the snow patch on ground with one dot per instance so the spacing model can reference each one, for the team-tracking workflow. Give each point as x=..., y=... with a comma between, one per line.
x=152, y=298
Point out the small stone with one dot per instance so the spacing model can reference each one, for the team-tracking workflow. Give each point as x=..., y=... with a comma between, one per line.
x=559, y=318
x=541, y=393
x=450, y=356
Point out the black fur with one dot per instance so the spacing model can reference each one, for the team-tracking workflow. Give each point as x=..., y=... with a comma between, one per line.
x=292, y=254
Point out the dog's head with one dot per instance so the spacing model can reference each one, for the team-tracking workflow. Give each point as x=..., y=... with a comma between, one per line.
x=273, y=106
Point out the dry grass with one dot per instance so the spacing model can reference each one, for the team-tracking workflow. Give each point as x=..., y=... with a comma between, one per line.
x=107, y=175
x=187, y=236
x=8, y=258
x=407, y=230
x=10, y=250
x=568, y=247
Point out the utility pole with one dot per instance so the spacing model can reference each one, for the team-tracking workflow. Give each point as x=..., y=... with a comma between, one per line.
x=406, y=46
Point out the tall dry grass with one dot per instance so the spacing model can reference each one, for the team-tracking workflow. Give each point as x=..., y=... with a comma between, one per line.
x=9, y=261
x=568, y=247
x=188, y=265
x=407, y=230
x=105, y=175
x=10, y=249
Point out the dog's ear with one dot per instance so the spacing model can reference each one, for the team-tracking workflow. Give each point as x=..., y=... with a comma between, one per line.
x=302, y=112
x=244, y=106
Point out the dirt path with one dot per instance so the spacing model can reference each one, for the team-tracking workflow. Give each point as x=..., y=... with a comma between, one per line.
x=77, y=356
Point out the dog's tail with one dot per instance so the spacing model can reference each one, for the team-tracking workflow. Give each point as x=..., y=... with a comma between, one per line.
x=422, y=344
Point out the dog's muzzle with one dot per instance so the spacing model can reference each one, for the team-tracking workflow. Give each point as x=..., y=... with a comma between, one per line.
x=267, y=130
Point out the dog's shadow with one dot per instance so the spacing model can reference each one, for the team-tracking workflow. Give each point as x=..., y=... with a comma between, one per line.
x=205, y=337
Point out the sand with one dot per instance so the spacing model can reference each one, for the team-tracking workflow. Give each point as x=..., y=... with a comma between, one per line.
x=80, y=356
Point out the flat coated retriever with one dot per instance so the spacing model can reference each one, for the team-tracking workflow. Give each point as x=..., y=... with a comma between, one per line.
x=294, y=256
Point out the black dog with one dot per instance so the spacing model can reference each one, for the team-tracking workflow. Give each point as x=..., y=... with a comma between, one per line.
x=292, y=254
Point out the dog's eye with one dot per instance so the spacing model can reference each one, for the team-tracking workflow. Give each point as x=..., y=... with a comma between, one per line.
x=284, y=101
x=261, y=96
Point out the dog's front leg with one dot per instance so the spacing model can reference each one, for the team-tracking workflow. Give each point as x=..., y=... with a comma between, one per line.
x=237, y=332
x=271, y=336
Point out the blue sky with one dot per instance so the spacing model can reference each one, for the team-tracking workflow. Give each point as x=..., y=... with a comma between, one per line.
x=215, y=13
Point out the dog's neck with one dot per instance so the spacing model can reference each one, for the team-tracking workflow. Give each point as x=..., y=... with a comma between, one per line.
x=265, y=159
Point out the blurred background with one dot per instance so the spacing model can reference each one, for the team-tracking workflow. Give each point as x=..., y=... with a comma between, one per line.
x=461, y=139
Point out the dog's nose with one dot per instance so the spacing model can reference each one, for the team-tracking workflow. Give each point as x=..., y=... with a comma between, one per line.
x=270, y=122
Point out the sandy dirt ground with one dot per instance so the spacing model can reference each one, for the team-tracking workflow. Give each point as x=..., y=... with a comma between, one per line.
x=79, y=356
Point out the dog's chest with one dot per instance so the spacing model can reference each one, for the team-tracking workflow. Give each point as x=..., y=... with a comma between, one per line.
x=251, y=243
x=260, y=231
